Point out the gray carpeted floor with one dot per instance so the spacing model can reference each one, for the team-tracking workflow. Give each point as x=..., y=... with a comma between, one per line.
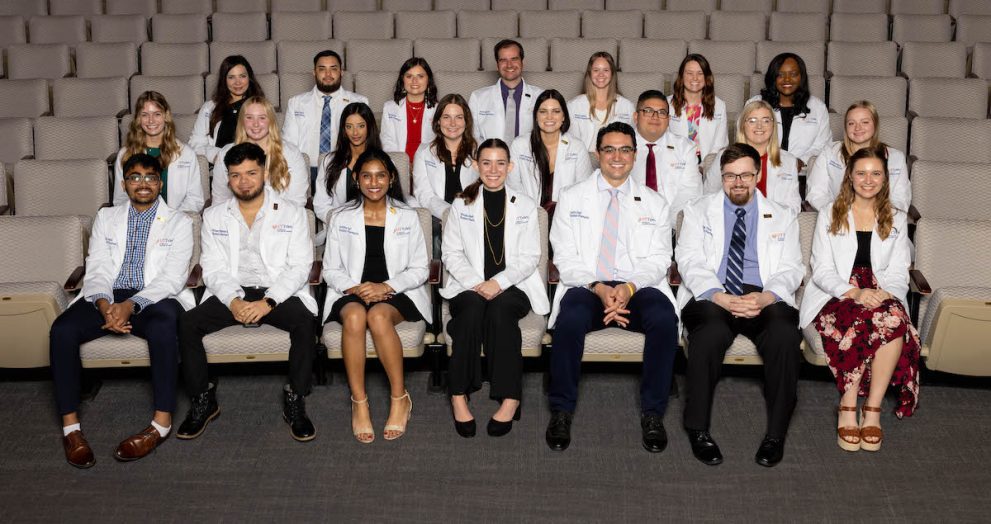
x=933, y=467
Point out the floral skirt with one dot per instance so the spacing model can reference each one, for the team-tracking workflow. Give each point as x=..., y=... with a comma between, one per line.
x=851, y=334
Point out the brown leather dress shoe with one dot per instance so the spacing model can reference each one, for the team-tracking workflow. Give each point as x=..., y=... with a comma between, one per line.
x=77, y=450
x=138, y=445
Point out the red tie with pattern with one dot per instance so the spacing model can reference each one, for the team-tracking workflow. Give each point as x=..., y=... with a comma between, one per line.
x=651, y=168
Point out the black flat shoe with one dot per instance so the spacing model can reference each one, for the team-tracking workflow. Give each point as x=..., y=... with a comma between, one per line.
x=770, y=452
x=465, y=429
x=704, y=448
x=558, y=433
x=498, y=428
x=655, y=438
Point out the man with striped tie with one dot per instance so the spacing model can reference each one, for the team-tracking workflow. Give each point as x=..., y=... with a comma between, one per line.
x=741, y=262
x=612, y=246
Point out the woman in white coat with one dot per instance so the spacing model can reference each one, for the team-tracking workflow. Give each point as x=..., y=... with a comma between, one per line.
x=861, y=124
x=600, y=104
x=491, y=250
x=335, y=184
x=696, y=112
x=778, y=179
x=803, y=119
x=407, y=119
x=857, y=300
x=287, y=172
x=376, y=269
x=216, y=120
x=549, y=158
x=152, y=132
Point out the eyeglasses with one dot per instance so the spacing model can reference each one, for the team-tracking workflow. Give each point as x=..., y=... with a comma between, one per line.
x=137, y=178
x=610, y=150
x=732, y=177
x=650, y=111
x=753, y=121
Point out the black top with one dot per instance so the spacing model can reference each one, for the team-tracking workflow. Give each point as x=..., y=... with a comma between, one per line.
x=863, y=257
x=787, y=113
x=375, y=269
x=494, y=203
x=547, y=191
x=350, y=187
x=452, y=181
x=228, y=124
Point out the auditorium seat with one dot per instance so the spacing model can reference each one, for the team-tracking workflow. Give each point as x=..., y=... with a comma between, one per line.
x=75, y=7
x=798, y=27
x=631, y=84
x=242, y=6
x=858, y=27
x=917, y=7
x=550, y=24
x=518, y=5
x=536, y=51
x=25, y=8
x=67, y=138
x=737, y=58
x=612, y=24
x=13, y=30
x=261, y=55
x=969, y=7
x=817, y=85
x=189, y=28
x=449, y=54
x=426, y=24
x=18, y=143
x=377, y=86
x=96, y=97
x=292, y=26
x=735, y=26
x=408, y=5
x=184, y=93
x=732, y=89
x=146, y=8
x=464, y=82
x=952, y=190
x=462, y=5
x=23, y=98
x=482, y=24
x=644, y=55
x=363, y=25
x=119, y=28
x=269, y=82
x=240, y=27
x=581, y=5
x=958, y=97
x=804, y=6
x=641, y=5
x=297, y=56
x=889, y=94
x=860, y=6
x=812, y=53
x=95, y=60
x=159, y=59
x=862, y=58
x=285, y=6
x=68, y=30
x=47, y=61
x=922, y=28
x=670, y=25
x=43, y=188
x=182, y=7
x=378, y=55
x=951, y=139
x=707, y=6
x=973, y=28
x=760, y=6
x=929, y=59
x=569, y=83
x=335, y=6
x=981, y=66
x=571, y=54
x=892, y=131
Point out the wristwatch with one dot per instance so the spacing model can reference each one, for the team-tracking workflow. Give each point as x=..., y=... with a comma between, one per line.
x=271, y=302
x=136, y=308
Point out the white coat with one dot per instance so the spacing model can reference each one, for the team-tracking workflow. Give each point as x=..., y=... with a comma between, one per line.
x=405, y=255
x=185, y=183
x=700, y=248
x=571, y=165
x=832, y=263
x=826, y=177
x=576, y=235
x=295, y=192
x=430, y=177
x=286, y=250
x=489, y=113
x=392, y=130
x=201, y=140
x=167, y=254
x=782, y=181
x=464, y=248
x=582, y=125
x=323, y=202
x=712, y=132
x=302, y=119
x=678, y=177
x=810, y=132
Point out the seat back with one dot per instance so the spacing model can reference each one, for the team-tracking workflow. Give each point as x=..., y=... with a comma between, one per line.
x=95, y=60
x=968, y=7
x=69, y=29
x=48, y=61
x=762, y=6
x=738, y=26
x=204, y=7
x=922, y=28
x=279, y=6
x=858, y=27
x=797, y=27
x=481, y=24
x=569, y=83
x=932, y=59
x=300, y=26
x=973, y=28
x=184, y=93
x=550, y=24
x=60, y=238
x=959, y=97
x=23, y=98
x=363, y=25
x=951, y=190
x=189, y=28
x=917, y=7
x=804, y=6
x=680, y=25
x=644, y=55
x=261, y=55
x=408, y=5
x=706, y=6
x=159, y=59
x=812, y=53
x=612, y=24
x=57, y=138
x=463, y=82
x=240, y=26
x=297, y=56
x=378, y=54
x=132, y=7
x=889, y=94
x=377, y=86
x=862, y=58
x=242, y=6
x=860, y=6
x=60, y=187
x=119, y=28
x=89, y=96
x=571, y=54
x=13, y=30
x=449, y=54
x=24, y=8
x=462, y=5
x=18, y=142
x=951, y=139
x=335, y=6
x=727, y=57
x=426, y=24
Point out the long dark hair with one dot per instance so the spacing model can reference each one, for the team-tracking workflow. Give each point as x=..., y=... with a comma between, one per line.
x=708, y=91
x=467, y=147
x=770, y=92
x=540, y=157
x=395, y=191
x=222, y=95
x=341, y=156
x=470, y=193
x=399, y=92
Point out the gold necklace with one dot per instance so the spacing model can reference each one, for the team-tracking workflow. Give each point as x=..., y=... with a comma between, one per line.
x=488, y=241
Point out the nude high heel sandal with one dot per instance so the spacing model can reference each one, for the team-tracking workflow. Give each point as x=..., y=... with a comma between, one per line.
x=365, y=435
x=401, y=430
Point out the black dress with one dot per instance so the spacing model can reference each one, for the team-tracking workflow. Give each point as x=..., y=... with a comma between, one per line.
x=228, y=124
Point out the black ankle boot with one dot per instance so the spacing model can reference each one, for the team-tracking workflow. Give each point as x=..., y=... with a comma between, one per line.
x=294, y=413
x=203, y=408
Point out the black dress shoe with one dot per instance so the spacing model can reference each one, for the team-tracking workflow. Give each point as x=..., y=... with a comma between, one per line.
x=202, y=409
x=655, y=439
x=498, y=428
x=770, y=452
x=559, y=430
x=294, y=413
x=466, y=429
x=704, y=448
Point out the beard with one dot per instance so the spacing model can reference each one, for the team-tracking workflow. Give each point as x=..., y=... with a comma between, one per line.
x=247, y=197
x=329, y=88
x=739, y=199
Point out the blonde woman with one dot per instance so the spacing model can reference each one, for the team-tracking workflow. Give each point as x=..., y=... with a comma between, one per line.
x=152, y=132
x=600, y=104
x=287, y=171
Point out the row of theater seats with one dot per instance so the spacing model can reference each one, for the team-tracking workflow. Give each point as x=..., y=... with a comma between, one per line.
x=150, y=7
x=347, y=25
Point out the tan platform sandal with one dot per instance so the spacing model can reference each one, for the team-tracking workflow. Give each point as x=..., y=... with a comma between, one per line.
x=848, y=437
x=365, y=435
x=400, y=430
x=870, y=436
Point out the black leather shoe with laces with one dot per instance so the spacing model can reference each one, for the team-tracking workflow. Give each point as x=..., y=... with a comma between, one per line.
x=203, y=408
x=770, y=452
x=704, y=448
x=559, y=431
x=294, y=413
x=655, y=438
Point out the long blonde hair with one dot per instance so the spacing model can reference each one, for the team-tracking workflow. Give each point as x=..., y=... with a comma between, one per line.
x=882, y=202
x=278, y=169
x=773, y=149
x=848, y=147
x=136, y=141
x=612, y=90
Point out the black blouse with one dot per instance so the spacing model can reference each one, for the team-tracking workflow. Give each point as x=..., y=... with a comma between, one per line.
x=228, y=124
x=494, y=203
x=375, y=269
x=863, y=257
x=452, y=181
x=787, y=114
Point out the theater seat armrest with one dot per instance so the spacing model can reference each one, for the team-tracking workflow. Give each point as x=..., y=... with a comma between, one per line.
x=194, y=276
x=436, y=270
x=918, y=282
x=553, y=275
x=4, y=209
x=111, y=159
x=913, y=213
x=75, y=280
x=106, y=204
x=806, y=206
x=316, y=271
x=674, y=277
x=122, y=113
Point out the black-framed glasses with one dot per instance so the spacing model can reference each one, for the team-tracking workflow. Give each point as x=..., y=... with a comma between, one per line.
x=137, y=178
x=732, y=177
x=610, y=150
x=650, y=111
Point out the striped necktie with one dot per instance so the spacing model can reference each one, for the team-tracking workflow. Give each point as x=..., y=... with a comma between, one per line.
x=325, y=128
x=734, y=265
x=606, y=267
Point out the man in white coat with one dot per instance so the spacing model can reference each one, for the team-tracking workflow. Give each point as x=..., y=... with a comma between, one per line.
x=256, y=258
x=665, y=162
x=504, y=110
x=312, y=118
x=741, y=262
x=136, y=268
x=612, y=246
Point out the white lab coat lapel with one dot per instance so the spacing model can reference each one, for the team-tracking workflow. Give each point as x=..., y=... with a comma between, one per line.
x=393, y=255
x=714, y=217
x=765, y=217
x=234, y=236
x=591, y=203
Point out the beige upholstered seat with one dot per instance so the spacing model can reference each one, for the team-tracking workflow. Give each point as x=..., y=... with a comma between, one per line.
x=922, y=28
x=627, y=5
x=482, y=24
x=48, y=61
x=159, y=59
x=463, y=82
x=860, y=6
x=951, y=139
x=889, y=94
x=351, y=5
x=677, y=25
x=24, y=8
x=378, y=54
x=45, y=188
x=958, y=97
x=804, y=6
x=204, y=7
x=449, y=54
x=95, y=97
x=301, y=26
x=917, y=7
x=23, y=98
x=645, y=55
x=297, y=56
x=612, y=24
x=565, y=5
x=57, y=138
x=862, y=58
x=119, y=28
x=761, y=6
x=240, y=27
x=132, y=7
x=17, y=144
x=797, y=27
x=934, y=59
x=409, y=5
x=951, y=190
x=364, y=25
x=972, y=29
x=461, y=5
x=737, y=58
x=550, y=24
x=242, y=6
x=426, y=24
x=261, y=55
x=969, y=7
x=187, y=28
x=569, y=83
x=706, y=6
x=96, y=60
x=571, y=54
x=68, y=29
x=184, y=93
x=812, y=53
x=735, y=26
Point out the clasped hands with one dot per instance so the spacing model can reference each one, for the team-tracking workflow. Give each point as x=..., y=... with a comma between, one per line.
x=116, y=317
x=249, y=312
x=615, y=299
x=869, y=298
x=371, y=292
x=743, y=306
x=488, y=289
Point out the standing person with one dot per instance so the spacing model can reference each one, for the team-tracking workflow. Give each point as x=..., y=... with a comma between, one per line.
x=857, y=299
x=600, y=103
x=803, y=119
x=217, y=118
x=549, y=159
x=407, y=119
x=778, y=179
x=741, y=263
x=862, y=125
x=336, y=184
x=286, y=172
x=665, y=162
x=696, y=112
x=504, y=110
x=612, y=247
x=376, y=269
x=313, y=116
x=256, y=259
x=152, y=132
x=494, y=283
x=136, y=268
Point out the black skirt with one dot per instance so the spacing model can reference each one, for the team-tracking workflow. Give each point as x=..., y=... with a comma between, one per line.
x=401, y=302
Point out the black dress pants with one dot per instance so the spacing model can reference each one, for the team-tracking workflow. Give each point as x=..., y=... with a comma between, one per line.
x=494, y=325
x=212, y=316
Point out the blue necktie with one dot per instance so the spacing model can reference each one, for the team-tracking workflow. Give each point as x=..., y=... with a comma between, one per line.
x=734, y=265
x=325, y=128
